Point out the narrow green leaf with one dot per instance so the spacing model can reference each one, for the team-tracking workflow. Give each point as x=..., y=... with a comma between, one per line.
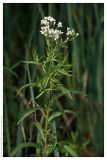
x=21, y=146
x=69, y=111
x=28, y=113
x=54, y=80
x=66, y=91
x=85, y=144
x=62, y=71
x=54, y=115
x=40, y=94
x=29, y=62
x=70, y=151
x=15, y=65
x=10, y=71
x=78, y=92
x=48, y=89
x=40, y=129
x=32, y=62
x=26, y=85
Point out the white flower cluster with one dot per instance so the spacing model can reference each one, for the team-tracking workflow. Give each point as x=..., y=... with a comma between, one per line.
x=71, y=33
x=48, y=28
x=47, y=20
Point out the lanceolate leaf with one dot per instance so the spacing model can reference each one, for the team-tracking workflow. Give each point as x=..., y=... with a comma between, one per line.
x=29, y=62
x=26, y=85
x=78, y=92
x=54, y=115
x=40, y=94
x=15, y=65
x=48, y=89
x=28, y=113
x=70, y=151
x=62, y=71
x=66, y=91
x=23, y=145
x=54, y=80
x=32, y=62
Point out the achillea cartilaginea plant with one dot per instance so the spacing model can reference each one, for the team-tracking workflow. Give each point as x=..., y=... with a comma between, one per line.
x=53, y=67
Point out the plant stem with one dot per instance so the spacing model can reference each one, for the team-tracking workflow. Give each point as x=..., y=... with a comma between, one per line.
x=46, y=129
x=47, y=117
x=56, y=153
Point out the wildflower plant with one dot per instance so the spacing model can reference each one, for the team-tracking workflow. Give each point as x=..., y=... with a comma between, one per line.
x=52, y=67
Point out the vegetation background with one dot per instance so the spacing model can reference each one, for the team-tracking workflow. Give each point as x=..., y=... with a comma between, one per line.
x=86, y=53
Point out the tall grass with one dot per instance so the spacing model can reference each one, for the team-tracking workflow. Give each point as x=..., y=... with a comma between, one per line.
x=21, y=28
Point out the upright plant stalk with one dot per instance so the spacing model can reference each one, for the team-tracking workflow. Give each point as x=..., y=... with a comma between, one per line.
x=56, y=153
x=54, y=43
x=46, y=130
x=53, y=66
x=47, y=113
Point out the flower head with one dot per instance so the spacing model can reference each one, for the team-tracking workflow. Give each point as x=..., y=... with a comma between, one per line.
x=71, y=33
x=48, y=21
x=50, y=30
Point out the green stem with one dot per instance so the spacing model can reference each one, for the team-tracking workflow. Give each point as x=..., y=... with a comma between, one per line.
x=47, y=117
x=56, y=153
x=46, y=129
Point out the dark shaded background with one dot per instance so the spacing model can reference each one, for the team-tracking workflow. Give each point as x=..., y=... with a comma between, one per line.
x=21, y=27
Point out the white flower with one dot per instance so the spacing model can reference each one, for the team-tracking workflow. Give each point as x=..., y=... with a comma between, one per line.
x=77, y=34
x=48, y=20
x=44, y=22
x=71, y=33
x=45, y=30
x=55, y=34
x=51, y=19
x=59, y=24
x=68, y=28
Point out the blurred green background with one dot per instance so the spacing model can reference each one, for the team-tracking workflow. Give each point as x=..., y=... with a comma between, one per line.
x=21, y=26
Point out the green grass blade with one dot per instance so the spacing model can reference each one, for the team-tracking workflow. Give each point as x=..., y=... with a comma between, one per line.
x=41, y=10
x=23, y=145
